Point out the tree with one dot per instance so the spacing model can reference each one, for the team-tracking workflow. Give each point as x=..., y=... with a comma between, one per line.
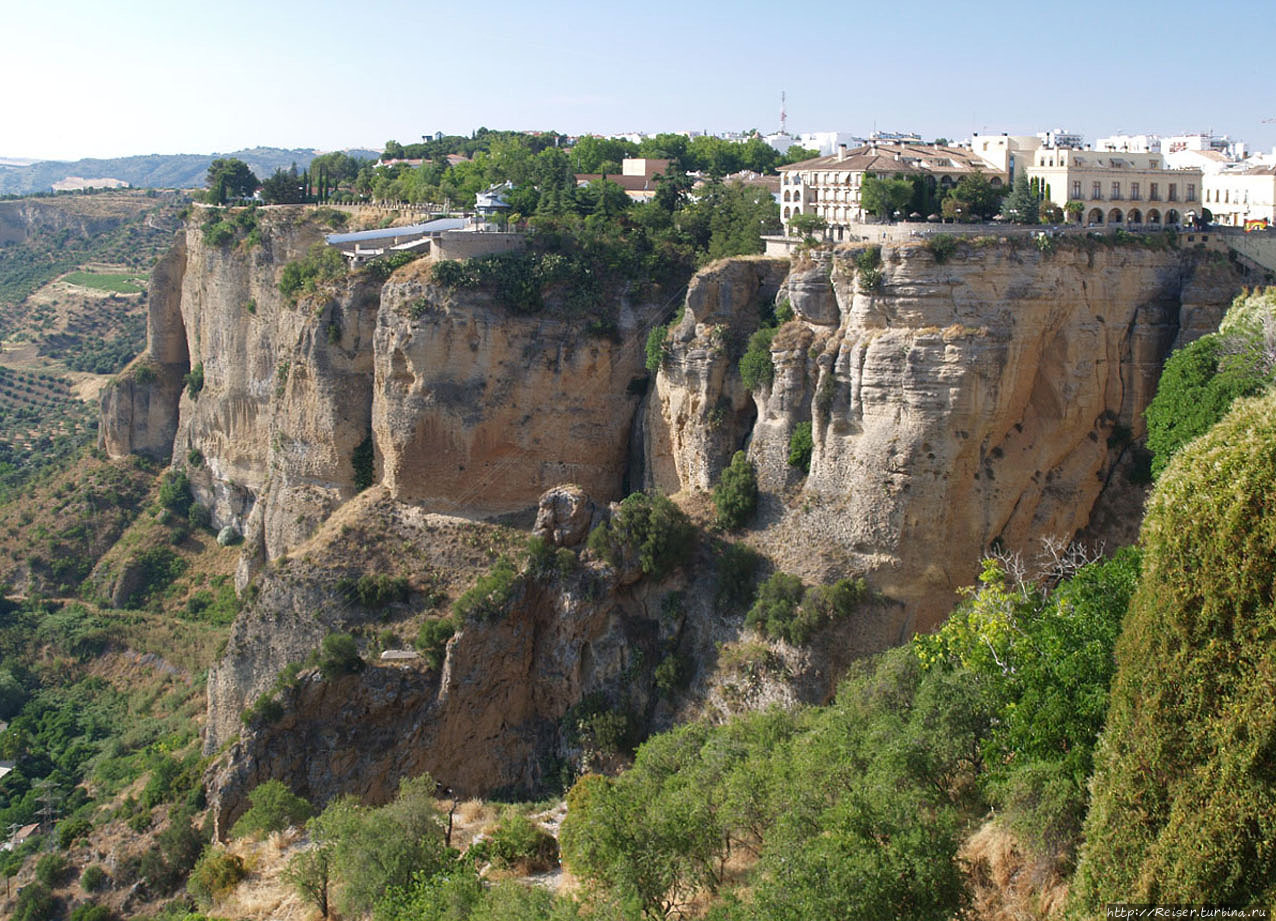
x=979, y=195
x=1021, y=205
x=230, y=177
x=283, y=188
x=885, y=197
x=339, y=655
x=806, y=224
x=736, y=495
x=274, y=808
x=310, y=873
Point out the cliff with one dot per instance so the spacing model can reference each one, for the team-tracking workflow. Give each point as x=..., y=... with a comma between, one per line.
x=956, y=406
x=981, y=401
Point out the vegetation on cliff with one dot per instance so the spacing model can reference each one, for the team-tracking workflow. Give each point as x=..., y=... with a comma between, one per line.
x=1184, y=797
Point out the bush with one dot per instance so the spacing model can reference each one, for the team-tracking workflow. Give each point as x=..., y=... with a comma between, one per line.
x=801, y=445
x=657, y=350
x=649, y=527
x=320, y=265
x=72, y=830
x=489, y=597
x=90, y=911
x=375, y=590
x=339, y=655
x=194, y=380
x=215, y=875
x=1183, y=803
x=776, y=606
x=941, y=246
x=518, y=841
x=274, y=808
x=94, y=879
x=175, y=492
x=756, y=367
x=737, y=568
x=51, y=869
x=736, y=495
x=35, y=903
x=363, y=460
x=431, y=640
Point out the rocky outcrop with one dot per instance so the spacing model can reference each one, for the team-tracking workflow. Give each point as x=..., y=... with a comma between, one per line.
x=564, y=516
x=477, y=411
x=699, y=413
x=955, y=406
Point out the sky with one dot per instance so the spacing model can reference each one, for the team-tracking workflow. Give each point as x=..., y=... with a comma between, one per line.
x=84, y=78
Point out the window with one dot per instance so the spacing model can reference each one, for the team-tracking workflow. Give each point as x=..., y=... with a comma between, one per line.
x=1134, y=191
x=1096, y=190
x=1191, y=191
x=1116, y=190
x=1154, y=191
x=1173, y=194
x=1076, y=188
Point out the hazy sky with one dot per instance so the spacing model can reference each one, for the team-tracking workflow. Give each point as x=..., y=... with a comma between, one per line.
x=92, y=78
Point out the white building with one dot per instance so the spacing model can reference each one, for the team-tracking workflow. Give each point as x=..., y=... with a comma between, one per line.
x=1006, y=153
x=1116, y=189
x=827, y=142
x=1239, y=195
x=1061, y=138
x=1130, y=143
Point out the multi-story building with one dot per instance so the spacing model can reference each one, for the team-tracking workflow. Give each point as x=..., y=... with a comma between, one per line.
x=1239, y=195
x=1116, y=189
x=829, y=187
x=1010, y=154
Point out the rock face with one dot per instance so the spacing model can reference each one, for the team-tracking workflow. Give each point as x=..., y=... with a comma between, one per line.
x=478, y=411
x=699, y=413
x=564, y=516
x=954, y=406
x=467, y=408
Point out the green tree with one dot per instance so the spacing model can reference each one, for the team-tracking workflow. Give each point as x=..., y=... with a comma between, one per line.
x=800, y=447
x=1183, y=807
x=284, y=187
x=885, y=197
x=1022, y=204
x=979, y=196
x=274, y=808
x=228, y=178
x=339, y=655
x=736, y=495
x=1197, y=387
x=806, y=224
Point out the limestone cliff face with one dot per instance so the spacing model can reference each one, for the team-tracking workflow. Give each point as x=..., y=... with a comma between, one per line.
x=139, y=409
x=953, y=405
x=478, y=411
x=699, y=413
x=469, y=409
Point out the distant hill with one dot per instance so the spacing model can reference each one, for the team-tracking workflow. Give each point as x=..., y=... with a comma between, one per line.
x=157, y=171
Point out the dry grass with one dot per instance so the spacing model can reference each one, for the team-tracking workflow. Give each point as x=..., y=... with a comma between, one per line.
x=1009, y=885
x=264, y=895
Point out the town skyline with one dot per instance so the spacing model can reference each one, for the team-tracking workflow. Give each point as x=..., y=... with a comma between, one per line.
x=308, y=75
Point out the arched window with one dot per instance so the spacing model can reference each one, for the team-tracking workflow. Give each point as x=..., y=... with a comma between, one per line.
x=1134, y=217
x=1114, y=216
x=1154, y=216
x=1095, y=216
x=1171, y=217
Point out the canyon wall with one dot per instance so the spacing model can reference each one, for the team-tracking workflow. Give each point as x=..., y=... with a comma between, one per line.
x=956, y=406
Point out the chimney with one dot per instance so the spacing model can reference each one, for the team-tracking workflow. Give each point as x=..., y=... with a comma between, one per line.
x=841, y=152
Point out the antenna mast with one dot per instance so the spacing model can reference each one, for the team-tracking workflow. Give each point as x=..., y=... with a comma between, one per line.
x=784, y=116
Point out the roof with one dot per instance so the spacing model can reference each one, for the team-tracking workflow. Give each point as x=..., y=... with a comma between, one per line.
x=628, y=183
x=389, y=233
x=898, y=158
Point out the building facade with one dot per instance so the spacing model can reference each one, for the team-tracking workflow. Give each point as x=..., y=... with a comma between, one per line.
x=1132, y=189
x=1236, y=196
x=830, y=187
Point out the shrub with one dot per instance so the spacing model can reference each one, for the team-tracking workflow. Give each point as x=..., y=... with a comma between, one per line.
x=214, y=875
x=274, y=808
x=374, y=590
x=94, y=879
x=941, y=246
x=736, y=495
x=800, y=447
x=1183, y=801
x=339, y=655
x=737, y=568
x=35, y=903
x=194, y=380
x=756, y=367
x=71, y=830
x=198, y=516
x=518, y=841
x=320, y=265
x=431, y=640
x=90, y=911
x=175, y=492
x=650, y=527
x=488, y=598
x=776, y=606
x=51, y=869
x=363, y=460
x=657, y=350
